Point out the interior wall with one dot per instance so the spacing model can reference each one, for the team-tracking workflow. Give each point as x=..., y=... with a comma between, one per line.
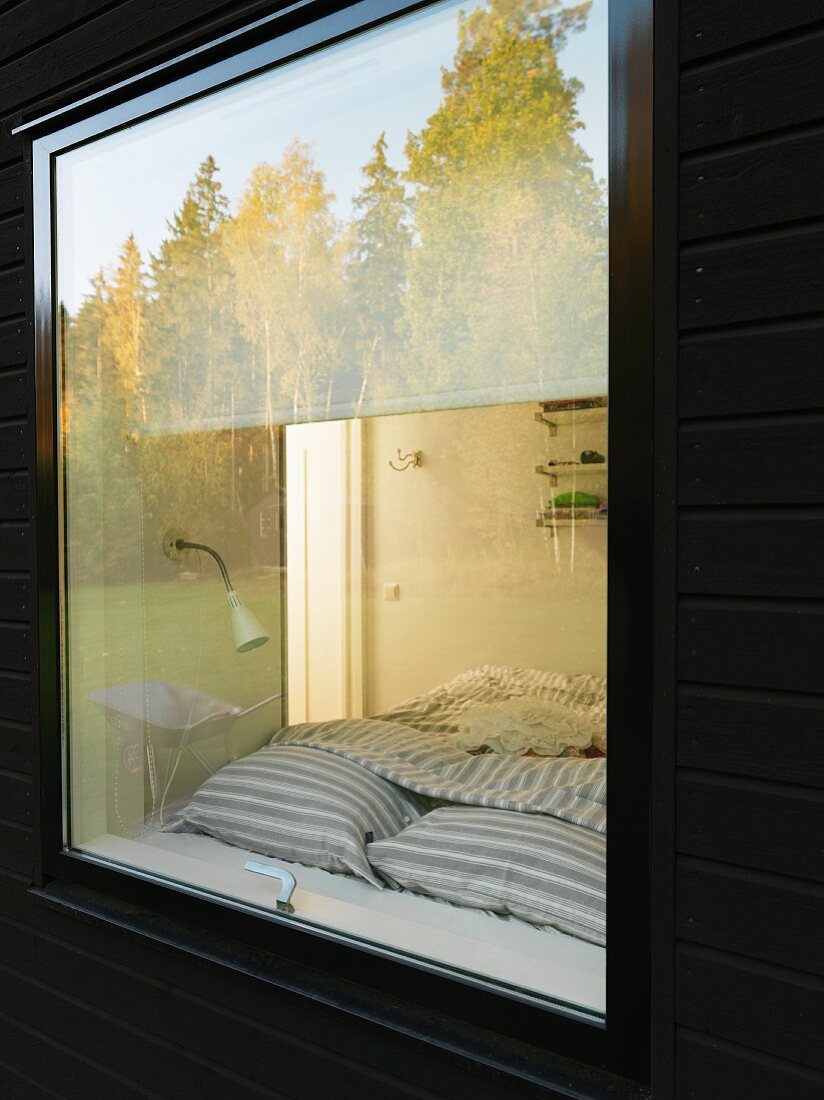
x=477, y=581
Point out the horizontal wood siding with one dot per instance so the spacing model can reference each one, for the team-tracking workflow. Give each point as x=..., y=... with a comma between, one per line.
x=711, y=1069
x=743, y=552
x=752, y=823
x=749, y=279
x=749, y=644
x=728, y=729
x=766, y=183
x=127, y=1016
x=762, y=90
x=15, y=748
x=757, y=460
x=14, y=495
x=16, y=848
x=753, y=369
x=15, y=545
x=783, y=922
x=749, y=999
x=12, y=292
x=12, y=344
x=766, y=1008
x=712, y=26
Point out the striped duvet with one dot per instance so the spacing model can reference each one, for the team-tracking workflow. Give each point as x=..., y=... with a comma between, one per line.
x=572, y=790
x=544, y=862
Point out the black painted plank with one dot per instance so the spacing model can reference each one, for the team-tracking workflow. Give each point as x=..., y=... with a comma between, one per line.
x=15, y=648
x=753, y=461
x=253, y=983
x=745, y=552
x=15, y=546
x=752, y=823
x=784, y=917
x=711, y=1069
x=709, y=26
x=772, y=368
x=12, y=148
x=14, y=490
x=756, y=1005
x=12, y=292
x=12, y=344
x=15, y=599
x=764, y=90
x=774, y=645
x=11, y=240
x=160, y=1066
x=23, y=28
x=50, y=1064
x=233, y=1042
x=778, y=275
x=16, y=852
x=19, y=1085
x=16, y=745
x=756, y=733
x=765, y=184
x=13, y=444
x=13, y=401
x=16, y=698
x=131, y=29
x=15, y=799
x=12, y=186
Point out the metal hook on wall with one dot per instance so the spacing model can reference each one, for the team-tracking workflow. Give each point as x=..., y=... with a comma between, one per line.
x=409, y=460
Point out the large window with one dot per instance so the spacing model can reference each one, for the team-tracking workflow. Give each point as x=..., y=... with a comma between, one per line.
x=334, y=454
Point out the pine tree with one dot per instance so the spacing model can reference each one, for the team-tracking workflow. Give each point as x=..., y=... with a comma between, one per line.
x=84, y=335
x=124, y=332
x=192, y=338
x=380, y=241
x=507, y=286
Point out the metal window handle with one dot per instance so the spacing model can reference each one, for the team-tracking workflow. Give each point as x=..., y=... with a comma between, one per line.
x=287, y=882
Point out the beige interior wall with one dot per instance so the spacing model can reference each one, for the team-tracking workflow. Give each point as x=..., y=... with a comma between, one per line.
x=477, y=581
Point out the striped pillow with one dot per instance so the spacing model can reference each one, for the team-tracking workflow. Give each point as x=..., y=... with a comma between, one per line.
x=538, y=868
x=300, y=804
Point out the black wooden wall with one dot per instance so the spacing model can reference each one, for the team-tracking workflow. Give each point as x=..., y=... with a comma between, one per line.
x=88, y=1010
x=749, y=992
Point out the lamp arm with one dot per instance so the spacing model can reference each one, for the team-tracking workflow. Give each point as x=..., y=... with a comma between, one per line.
x=182, y=544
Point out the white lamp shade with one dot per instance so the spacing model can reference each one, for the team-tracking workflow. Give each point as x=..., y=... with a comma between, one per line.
x=248, y=632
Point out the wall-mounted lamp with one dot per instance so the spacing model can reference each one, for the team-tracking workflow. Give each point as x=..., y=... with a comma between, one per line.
x=247, y=631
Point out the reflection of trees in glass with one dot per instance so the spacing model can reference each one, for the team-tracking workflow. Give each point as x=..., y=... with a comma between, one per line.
x=491, y=271
x=507, y=284
x=379, y=252
x=190, y=322
x=288, y=278
x=124, y=330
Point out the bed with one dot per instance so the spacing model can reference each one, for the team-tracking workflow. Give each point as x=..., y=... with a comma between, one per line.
x=405, y=834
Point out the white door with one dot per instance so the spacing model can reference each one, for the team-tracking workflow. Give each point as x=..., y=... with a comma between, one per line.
x=323, y=569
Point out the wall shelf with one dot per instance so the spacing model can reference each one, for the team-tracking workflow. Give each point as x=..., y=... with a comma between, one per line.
x=552, y=414
x=582, y=410
x=576, y=468
x=562, y=517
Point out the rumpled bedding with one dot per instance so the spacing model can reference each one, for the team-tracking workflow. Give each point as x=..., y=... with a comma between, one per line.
x=454, y=707
x=572, y=790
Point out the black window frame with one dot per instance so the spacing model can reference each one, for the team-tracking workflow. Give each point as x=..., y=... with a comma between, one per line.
x=621, y=1044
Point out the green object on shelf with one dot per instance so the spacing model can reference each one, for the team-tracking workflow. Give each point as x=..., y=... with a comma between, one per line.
x=575, y=499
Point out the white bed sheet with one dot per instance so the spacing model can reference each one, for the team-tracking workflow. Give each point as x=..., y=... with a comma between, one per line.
x=504, y=950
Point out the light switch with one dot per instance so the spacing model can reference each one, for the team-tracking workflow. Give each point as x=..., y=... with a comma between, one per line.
x=391, y=591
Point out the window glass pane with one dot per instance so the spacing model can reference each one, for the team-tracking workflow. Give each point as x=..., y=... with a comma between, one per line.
x=333, y=360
